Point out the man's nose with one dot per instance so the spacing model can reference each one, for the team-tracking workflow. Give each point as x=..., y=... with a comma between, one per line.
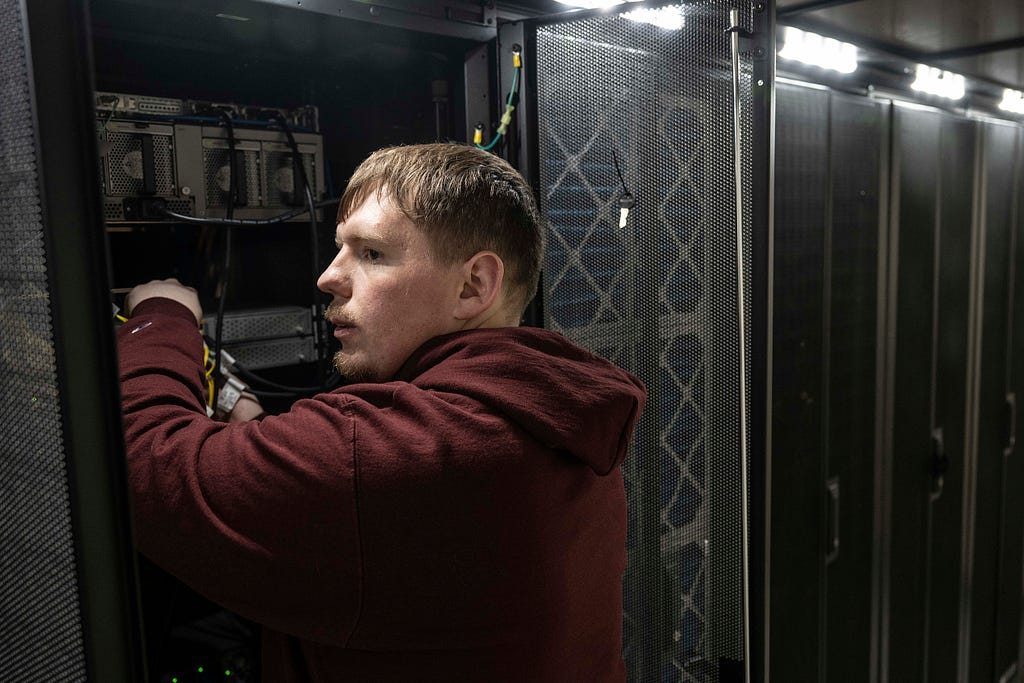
x=335, y=280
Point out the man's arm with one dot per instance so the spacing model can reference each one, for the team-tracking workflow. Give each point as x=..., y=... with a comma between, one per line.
x=260, y=517
x=248, y=406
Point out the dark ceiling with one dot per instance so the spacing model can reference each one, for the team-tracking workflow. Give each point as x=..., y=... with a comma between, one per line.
x=981, y=38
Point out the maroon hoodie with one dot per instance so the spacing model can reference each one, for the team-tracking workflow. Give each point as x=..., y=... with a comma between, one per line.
x=463, y=522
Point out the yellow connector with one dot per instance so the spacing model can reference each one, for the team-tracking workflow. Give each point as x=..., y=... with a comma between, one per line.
x=517, y=60
x=478, y=135
x=506, y=119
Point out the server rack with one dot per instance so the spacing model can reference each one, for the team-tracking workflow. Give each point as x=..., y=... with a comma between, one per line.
x=896, y=222
x=617, y=110
x=825, y=387
x=67, y=577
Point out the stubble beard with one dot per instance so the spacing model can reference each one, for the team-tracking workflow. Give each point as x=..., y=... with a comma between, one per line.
x=348, y=367
x=351, y=371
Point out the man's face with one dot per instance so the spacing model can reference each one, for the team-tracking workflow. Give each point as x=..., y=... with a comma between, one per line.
x=390, y=295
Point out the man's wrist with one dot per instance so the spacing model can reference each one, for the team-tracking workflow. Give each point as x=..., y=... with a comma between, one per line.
x=235, y=403
x=229, y=394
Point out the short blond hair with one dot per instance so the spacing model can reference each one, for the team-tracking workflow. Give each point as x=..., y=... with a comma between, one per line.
x=466, y=201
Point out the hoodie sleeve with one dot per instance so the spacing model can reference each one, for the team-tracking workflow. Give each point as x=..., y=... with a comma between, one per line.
x=260, y=517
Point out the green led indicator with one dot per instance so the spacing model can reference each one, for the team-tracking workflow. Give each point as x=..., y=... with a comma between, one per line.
x=227, y=672
x=200, y=669
x=174, y=680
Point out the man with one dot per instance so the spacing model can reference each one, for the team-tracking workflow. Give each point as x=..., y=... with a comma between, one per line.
x=458, y=514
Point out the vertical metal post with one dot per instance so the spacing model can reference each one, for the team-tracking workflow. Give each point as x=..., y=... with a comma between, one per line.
x=734, y=29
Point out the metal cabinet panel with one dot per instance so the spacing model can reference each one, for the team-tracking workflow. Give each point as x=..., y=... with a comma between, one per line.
x=987, y=605
x=851, y=340
x=893, y=392
x=912, y=249
x=943, y=513
x=801, y=214
x=830, y=150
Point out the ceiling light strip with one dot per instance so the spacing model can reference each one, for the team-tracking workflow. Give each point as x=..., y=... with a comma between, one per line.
x=816, y=50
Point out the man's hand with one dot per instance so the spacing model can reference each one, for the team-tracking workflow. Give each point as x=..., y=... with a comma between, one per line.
x=166, y=289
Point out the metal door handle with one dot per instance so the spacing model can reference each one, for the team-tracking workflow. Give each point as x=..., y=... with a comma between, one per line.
x=1011, y=419
x=939, y=462
x=832, y=548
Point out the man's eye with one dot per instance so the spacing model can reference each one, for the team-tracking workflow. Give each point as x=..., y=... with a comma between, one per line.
x=371, y=254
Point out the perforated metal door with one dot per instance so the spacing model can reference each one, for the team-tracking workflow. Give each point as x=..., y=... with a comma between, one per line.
x=40, y=625
x=67, y=599
x=659, y=298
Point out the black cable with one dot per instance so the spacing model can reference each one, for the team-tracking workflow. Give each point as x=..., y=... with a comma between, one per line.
x=615, y=158
x=285, y=391
x=222, y=293
x=314, y=238
x=259, y=393
x=252, y=378
x=161, y=207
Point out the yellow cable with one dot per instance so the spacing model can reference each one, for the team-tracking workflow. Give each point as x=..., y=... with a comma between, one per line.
x=209, y=367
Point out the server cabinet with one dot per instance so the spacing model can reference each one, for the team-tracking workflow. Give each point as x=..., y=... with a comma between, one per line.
x=1012, y=580
x=797, y=536
x=927, y=438
x=949, y=344
x=948, y=609
x=859, y=142
x=908, y=401
x=830, y=156
x=896, y=551
x=636, y=172
x=68, y=605
x=993, y=605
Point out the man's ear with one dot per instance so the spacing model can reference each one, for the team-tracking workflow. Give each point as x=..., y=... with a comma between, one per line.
x=482, y=278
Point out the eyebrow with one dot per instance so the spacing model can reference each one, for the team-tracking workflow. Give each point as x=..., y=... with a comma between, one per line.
x=361, y=238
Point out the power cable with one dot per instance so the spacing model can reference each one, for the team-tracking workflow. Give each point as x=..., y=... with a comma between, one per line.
x=222, y=293
x=160, y=206
x=314, y=238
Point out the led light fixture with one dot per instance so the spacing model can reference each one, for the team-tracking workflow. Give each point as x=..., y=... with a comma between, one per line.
x=938, y=82
x=670, y=18
x=590, y=4
x=1013, y=101
x=810, y=48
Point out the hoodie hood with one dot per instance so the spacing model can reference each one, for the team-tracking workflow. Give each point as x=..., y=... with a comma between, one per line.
x=563, y=395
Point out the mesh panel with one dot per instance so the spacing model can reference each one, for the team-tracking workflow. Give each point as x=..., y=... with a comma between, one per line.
x=125, y=171
x=273, y=353
x=658, y=298
x=217, y=172
x=40, y=628
x=268, y=323
x=280, y=176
